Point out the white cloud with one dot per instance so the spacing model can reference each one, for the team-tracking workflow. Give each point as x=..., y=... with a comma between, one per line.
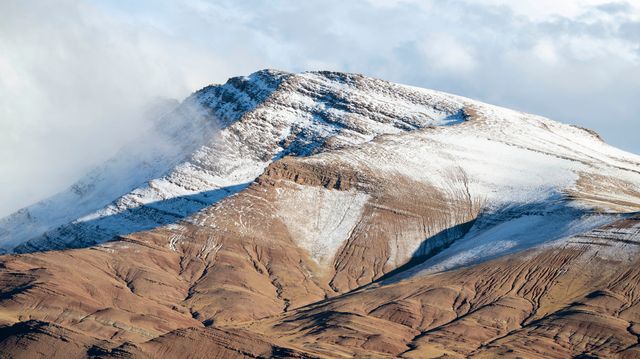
x=546, y=52
x=445, y=53
x=541, y=10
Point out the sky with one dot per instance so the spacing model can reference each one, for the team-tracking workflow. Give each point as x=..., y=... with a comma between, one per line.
x=79, y=78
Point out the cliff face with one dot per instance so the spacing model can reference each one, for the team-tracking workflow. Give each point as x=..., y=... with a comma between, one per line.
x=333, y=215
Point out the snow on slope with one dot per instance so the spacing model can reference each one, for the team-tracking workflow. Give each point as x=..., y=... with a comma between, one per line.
x=531, y=174
x=511, y=234
x=322, y=226
x=175, y=137
x=514, y=163
x=131, y=167
x=262, y=117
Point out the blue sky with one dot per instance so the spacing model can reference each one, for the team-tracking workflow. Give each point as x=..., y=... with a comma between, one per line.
x=75, y=76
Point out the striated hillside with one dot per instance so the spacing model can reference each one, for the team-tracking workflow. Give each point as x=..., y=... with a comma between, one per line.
x=259, y=118
x=333, y=215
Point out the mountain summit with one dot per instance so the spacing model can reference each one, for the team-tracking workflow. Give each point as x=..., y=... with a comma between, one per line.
x=326, y=214
x=249, y=122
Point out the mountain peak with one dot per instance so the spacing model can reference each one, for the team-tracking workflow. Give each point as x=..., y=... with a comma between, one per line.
x=344, y=214
x=226, y=135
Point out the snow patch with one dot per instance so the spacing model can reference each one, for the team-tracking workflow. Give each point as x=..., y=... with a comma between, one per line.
x=320, y=220
x=509, y=235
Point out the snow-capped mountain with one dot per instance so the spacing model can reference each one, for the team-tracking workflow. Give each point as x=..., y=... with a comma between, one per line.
x=220, y=139
x=326, y=214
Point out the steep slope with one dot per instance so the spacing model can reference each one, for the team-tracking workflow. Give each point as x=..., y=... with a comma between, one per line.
x=262, y=117
x=347, y=216
x=575, y=297
x=178, y=134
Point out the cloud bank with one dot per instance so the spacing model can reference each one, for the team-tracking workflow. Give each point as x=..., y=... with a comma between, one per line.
x=76, y=76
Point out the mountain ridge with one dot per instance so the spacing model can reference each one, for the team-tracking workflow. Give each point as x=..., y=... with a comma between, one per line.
x=343, y=216
x=224, y=104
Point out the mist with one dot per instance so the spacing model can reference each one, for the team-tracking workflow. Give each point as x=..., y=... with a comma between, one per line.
x=78, y=79
x=77, y=84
